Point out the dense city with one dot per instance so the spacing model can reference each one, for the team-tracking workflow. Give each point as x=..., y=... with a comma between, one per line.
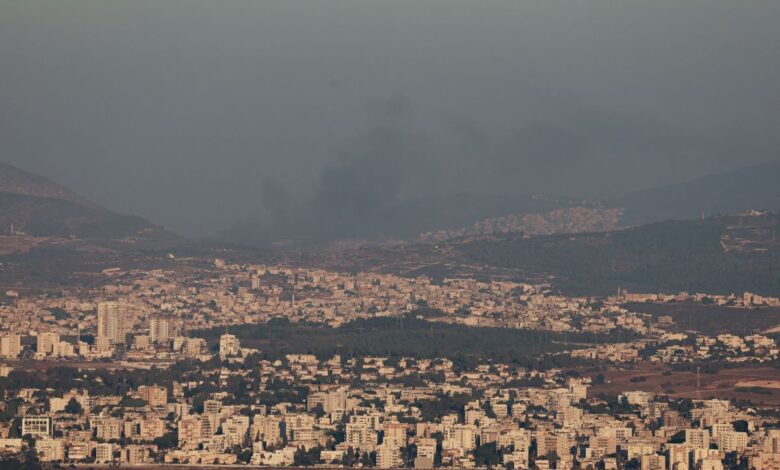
x=161, y=367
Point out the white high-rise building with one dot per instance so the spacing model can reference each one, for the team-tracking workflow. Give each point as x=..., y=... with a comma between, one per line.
x=388, y=456
x=697, y=438
x=772, y=442
x=732, y=441
x=47, y=343
x=112, y=321
x=10, y=345
x=160, y=328
x=229, y=346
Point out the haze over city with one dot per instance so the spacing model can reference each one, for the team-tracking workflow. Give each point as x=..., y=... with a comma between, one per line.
x=391, y=234
x=199, y=115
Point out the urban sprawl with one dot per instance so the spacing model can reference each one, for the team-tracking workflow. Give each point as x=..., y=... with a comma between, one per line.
x=152, y=368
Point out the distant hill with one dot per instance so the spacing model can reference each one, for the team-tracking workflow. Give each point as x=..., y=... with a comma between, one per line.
x=34, y=205
x=16, y=181
x=754, y=187
x=397, y=220
x=716, y=255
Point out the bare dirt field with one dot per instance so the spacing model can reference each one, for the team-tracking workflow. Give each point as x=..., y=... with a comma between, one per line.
x=757, y=385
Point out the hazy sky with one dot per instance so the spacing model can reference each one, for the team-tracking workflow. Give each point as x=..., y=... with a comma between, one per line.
x=197, y=114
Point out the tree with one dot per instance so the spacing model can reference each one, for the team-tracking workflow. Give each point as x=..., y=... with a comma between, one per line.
x=26, y=461
x=73, y=407
x=318, y=410
x=169, y=440
x=245, y=455
x=487, y=455
x=552, y=456
x=308, y=458
x=130, y=402
x=349, y=457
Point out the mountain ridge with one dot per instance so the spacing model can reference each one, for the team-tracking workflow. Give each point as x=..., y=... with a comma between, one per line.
x=35, y=205
x=751, y=187
x=14, y=180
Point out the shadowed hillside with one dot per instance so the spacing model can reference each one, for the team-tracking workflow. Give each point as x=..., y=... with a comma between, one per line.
x=34, y=205
x=16, y=181
x=719, y=255
x=754, y=187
